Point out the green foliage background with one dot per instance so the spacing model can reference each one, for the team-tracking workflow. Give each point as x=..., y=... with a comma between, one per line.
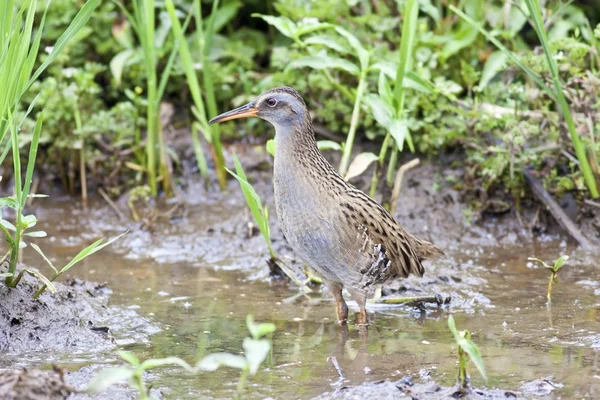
x=484, y=109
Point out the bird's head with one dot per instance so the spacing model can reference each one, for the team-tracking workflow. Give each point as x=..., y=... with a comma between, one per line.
x=283, y=107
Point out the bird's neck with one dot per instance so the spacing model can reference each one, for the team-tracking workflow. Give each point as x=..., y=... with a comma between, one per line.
x=297, y=157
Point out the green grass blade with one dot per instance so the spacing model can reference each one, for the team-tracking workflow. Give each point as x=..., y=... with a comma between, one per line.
x=88, y=251
x=7, y=148
x=409, y=29
x=46, y=282
x=188, y=64
x=167, y=71
x=32, y=157
x=41, y=253
x=16, y=158
x=76, y=25
x=586, y=170
x=512, y=56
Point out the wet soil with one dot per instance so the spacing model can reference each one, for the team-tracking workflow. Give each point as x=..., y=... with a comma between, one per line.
x=197, y=273
x=406, y=388
x=76, y=317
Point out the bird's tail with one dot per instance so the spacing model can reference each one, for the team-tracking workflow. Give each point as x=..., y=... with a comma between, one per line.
x=424, y=249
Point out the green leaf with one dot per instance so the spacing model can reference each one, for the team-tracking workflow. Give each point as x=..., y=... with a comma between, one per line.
x=473, y=351
x=256, y=352
x=36, y=234
x=42, y=278
x=213, y=361
x=409, y=29
x=118, y=63
x=9, y=202
x=411, y=80
x=160, y=362
x=415, y=81
x=88, y=251
x=252, y=199
x=328, y=41
x=33, y=148
x=129, y=358
x=360, y=164
x=309, y=25
x=283, y=24
x=41, y=253
x=108, y=377
x=385, y=91
x=463, y=340
x=511, y=55
x=560, y=262
x=381, y=110
x=73, y=29
x=8, y=225
x=271, y=147
x=29, y=220
x=361, y=52
x=495, y=63
x=463, y=37
x=399, y=130
x=257, y=331
x=324, y=61
x=328, y=145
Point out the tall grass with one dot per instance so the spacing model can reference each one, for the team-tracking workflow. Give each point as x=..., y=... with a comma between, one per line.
x=143, y=21
x=555, y=93
x=400, y=125
x=211, y=132
x=18, y=55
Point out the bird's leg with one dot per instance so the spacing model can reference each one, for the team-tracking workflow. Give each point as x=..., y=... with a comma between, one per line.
x=361, y=299
x=341, y=307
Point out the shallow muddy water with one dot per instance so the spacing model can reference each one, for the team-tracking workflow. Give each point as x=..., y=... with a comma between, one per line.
x=201, y=306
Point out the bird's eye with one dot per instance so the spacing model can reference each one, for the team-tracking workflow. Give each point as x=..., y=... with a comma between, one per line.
x=271, y=102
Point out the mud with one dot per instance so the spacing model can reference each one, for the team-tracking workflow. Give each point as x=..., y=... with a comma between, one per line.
x=406, y=388
x=198, y=267
x=75, y=318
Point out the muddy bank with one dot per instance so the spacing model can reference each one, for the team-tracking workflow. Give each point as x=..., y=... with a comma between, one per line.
x=406, y=388
x=77, y=318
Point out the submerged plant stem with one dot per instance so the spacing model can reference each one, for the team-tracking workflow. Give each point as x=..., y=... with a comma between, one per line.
x=549, y=294
x=241, y=383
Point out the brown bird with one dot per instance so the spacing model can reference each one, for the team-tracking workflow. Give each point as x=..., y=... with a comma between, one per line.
x=339, y=231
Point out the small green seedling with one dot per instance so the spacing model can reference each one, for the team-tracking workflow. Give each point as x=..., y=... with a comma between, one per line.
x=256, y=350
x=261, y=216
x=553, y=271
x=466, y=349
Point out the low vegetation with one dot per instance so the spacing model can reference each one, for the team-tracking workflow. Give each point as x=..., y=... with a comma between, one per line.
x=256, y=351
x=558, y=264
x=467, y=350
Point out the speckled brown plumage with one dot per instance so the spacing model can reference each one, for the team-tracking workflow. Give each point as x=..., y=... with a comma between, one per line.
x=343, y=234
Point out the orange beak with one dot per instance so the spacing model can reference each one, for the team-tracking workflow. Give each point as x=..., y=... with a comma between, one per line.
x=245, y=111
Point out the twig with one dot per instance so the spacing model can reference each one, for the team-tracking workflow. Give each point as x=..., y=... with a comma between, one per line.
x=111, y=204
x=34, y=188
x=591, y=203
x=557, y=212
x=398, y=183
x=415, y=301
